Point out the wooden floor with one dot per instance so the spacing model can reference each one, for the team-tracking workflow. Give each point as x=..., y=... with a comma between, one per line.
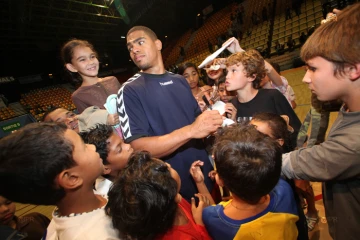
x=294, y=76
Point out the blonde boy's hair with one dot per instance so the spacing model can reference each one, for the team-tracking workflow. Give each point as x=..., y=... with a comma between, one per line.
x=336, y=41
x=253, y=63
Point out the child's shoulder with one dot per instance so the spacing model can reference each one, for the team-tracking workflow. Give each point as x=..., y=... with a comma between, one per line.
x=269, y=91
x=215, y=210
x=107, y=79
x=283, y=198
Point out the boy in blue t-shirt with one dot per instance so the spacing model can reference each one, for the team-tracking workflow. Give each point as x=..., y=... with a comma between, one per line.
x=262, y=206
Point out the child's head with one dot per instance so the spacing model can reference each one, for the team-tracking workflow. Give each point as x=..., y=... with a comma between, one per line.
x=214, y=75
x=248, y=162
x=113, y=150
x=42, y=162
x=190, y=73
x=225, y=96
x=7, y=211
x=244, y=67
x=329, y=61
x=274, y=126
x=62, y=115
x=143, y=201
x=80, y=59
x=215, y=70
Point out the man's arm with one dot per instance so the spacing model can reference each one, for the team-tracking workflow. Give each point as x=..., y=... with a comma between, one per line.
x=160, y=146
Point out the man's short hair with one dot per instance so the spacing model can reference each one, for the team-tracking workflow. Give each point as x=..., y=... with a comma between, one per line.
x=30, y=160
x=248, y=162
x=253, y=62
x=50, y=110
x=336, y=41
x=98, y=136
x=142, y=201
x=146, y=30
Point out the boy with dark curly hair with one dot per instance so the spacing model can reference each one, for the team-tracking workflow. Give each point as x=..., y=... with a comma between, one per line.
x=113, y=151
x=144, y=203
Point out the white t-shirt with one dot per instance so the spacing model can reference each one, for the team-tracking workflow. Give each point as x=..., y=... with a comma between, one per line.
x=93, y=225
x=102, y=186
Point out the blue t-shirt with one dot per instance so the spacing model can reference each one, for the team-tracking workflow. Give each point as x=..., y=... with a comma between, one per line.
x=277, y=221
x=155, y=105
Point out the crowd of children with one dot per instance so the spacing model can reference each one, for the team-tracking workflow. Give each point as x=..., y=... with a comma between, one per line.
x=158, y=181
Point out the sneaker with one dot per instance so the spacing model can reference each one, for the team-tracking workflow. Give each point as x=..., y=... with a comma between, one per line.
x=311, y=222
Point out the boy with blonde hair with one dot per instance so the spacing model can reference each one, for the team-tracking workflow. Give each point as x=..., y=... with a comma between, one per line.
x=245, y=72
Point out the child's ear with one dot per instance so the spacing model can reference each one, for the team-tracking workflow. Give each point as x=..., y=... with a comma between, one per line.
x=280, y=141
x=219, y=181
x=70, y=67
x=252, y=77
x=178, y=198
x=158, y=44
x=354, y=72
x=107, y=170
x=69, y=179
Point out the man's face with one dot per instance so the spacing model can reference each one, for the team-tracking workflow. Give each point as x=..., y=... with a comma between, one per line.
x=144, y=51
x=322, y=81
x=64, y=116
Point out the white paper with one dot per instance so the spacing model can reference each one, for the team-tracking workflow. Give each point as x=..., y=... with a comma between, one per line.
x=214, y=55
x=227, y=122
x=220, y=106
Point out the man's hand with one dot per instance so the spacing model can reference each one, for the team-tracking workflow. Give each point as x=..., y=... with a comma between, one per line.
x=234, y=47
x=205, y=124
x=113, y=119
x=196, y=172
x=197, y=211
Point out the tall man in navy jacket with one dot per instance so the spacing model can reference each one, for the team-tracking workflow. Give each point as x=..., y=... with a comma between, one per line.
x=158, y=112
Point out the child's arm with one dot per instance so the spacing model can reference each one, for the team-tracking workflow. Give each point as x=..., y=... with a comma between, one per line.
x=197, y=211
x=197, y=215
x=231, y=111
x=198, y=177
x=273, y=75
